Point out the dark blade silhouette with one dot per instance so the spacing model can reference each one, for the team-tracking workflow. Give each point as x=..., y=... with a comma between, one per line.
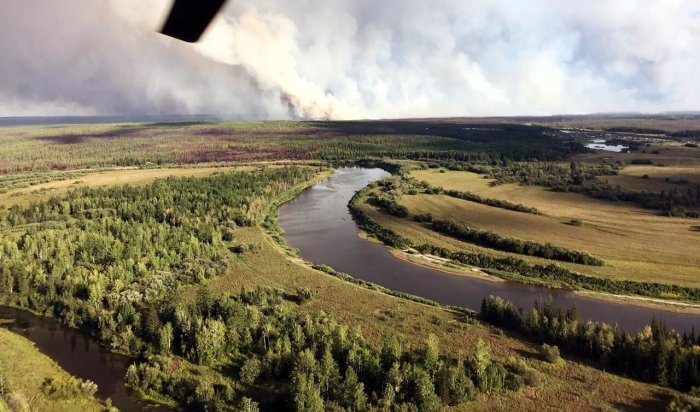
x=189, y=18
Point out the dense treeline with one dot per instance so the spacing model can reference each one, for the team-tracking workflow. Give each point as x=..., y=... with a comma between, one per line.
x=636, y=130
x=693, y=134
x=366, y=223
x=653, y=354
x=518, y=269
x=284, y=359
x=502, y=204
x=93, y=258
x=522, y=247
x=448, y=141
x=90, y=146
x=589, y=179
x=553, y=175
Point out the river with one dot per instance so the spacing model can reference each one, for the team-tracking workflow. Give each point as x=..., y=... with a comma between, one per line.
x=80, y=355
x=318, y=223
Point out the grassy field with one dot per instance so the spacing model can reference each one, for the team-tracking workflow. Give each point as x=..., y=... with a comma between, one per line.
x=130, y=176
x=26, y=369
x=656, y=178
x=635, y=243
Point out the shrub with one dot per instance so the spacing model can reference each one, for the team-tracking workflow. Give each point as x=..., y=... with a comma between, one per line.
x=549, y=353
x=248, y=405
x=88, y=388
x=304, y=295
x=575, y=222
x=239, y=249
x=250, y=371
x=227, y=234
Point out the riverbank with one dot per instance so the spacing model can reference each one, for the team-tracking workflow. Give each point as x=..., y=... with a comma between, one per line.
x=31, y=379
x=373, y=262
x=438, y=263
x=447, y=266
x=402, y=232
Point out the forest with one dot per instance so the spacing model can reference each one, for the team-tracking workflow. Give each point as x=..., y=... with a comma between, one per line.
x=28, y=150
x=654, y=354
x=280, y=357
x=95, y=257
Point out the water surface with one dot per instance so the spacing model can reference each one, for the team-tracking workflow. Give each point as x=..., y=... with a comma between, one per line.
x=599, y=144
x=79, y=355
x=318, y=223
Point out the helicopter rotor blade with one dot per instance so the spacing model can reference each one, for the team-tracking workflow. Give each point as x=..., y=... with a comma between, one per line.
x=189, y=18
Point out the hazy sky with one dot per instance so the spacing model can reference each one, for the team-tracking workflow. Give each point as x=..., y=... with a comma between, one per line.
x=352, y=58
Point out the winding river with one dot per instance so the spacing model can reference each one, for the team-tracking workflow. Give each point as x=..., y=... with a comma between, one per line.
x=318, y=223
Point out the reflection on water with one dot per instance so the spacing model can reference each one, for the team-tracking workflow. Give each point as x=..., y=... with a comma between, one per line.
x=319, y=224
x=599, y=144
x=79, y=355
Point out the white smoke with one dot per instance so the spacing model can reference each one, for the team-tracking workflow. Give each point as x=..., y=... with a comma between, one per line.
x=75, y=57
x=354, y=58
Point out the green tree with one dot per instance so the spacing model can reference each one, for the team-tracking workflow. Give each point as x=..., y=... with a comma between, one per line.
x=248, y=405
x=480, y=363
x=210, y=342
x=250, y=371
x=165, y=338
x=353, y=392
x=431, y=356
x=306, y=393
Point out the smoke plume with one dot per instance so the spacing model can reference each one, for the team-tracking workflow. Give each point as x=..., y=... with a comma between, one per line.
x=343, y=59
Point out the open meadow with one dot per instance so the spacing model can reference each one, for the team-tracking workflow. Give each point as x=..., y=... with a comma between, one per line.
x=657, y=178
x=635, y=243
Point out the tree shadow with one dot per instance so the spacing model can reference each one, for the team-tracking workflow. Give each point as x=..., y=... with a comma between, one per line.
x=658, y=403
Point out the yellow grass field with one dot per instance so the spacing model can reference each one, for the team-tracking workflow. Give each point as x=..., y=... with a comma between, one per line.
x=26, y=369
x=635, y=243
x=630, y=177
x=132, y=176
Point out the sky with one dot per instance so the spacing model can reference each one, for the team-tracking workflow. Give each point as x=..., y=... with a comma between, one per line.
x=352, y=59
